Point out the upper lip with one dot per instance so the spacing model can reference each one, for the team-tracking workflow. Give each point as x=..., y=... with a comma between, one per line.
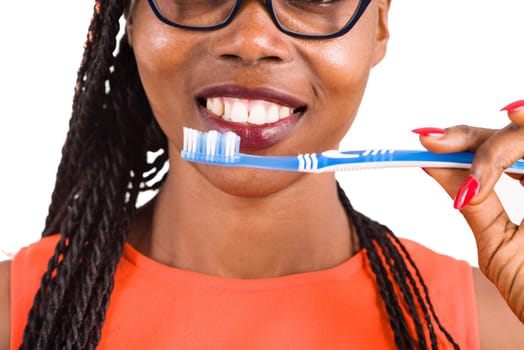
x=257, y=93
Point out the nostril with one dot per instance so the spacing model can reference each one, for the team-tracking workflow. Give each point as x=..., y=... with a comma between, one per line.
x=250, y=60
x=230, y=57
x=273, y=58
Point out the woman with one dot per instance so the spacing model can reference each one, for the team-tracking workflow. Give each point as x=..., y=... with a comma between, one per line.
x=242, y=258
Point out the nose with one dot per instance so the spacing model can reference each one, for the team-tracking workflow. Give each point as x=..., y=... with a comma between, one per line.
x=251, y=37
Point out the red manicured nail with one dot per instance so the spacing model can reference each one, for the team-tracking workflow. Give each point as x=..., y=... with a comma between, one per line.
x=425, y=170
x=514, y=106
x=466, y=193
x=429, y=131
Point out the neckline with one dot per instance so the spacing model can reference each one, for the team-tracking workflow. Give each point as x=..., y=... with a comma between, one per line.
x=152, y=269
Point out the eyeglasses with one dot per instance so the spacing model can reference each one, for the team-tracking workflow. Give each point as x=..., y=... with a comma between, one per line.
x=308, y=19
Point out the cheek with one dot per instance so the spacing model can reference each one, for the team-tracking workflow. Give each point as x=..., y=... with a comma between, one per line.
x=154, y=49
x=346, y=66
x=150, y=48
x=347, y=61
x=162, y=55
x=161, y=52
x=343, y=71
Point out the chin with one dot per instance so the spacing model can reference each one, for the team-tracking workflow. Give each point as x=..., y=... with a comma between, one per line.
x=248, y=183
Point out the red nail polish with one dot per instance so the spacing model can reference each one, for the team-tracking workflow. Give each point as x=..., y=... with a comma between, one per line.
x=429, y=131
x=466, y=193
x=425, y=170
x=514, y=106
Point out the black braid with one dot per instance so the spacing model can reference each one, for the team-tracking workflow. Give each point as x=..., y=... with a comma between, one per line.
x=66, y=172
x=425, y=290
x=98, y=181
x=396, y=316
x=387, y=258
x=400, y=276
x=103, y=170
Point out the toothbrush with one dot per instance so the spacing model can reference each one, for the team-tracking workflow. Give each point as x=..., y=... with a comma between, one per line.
x=223, y=149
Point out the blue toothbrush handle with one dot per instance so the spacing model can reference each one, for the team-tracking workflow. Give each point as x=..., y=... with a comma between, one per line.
x=335, y=160
x=331, y=161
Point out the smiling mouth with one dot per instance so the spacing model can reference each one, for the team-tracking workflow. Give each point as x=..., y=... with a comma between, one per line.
x=248, y=111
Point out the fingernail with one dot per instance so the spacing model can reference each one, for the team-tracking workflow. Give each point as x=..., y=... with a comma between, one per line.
x=429, y=131
x=466, y=193
x=425, y=170
x=514, y=106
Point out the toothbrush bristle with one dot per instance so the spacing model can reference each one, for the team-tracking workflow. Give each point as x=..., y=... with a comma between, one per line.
x=210, y=146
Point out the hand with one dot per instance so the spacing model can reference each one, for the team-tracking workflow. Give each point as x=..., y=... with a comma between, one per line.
x=500, y=242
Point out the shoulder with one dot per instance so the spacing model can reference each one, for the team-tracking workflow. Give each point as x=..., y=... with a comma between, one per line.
x=5, y=273
x=499, y=328
x=451, y=289
x=32, y=260
x=36, y=253
x=29, y=264
x=448, y=276
x=437, y=266
x=455, y=282
x=439, y=270
x=24, y=276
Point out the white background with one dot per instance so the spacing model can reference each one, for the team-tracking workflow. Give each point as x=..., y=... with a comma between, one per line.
x=449, y=62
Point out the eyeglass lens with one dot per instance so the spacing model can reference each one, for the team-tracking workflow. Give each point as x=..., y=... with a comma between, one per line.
x=313, y=17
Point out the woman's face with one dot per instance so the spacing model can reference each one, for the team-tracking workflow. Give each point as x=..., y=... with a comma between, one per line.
x=298, y=95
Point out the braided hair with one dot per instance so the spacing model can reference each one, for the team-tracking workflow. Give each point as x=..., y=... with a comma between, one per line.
x=115, y=151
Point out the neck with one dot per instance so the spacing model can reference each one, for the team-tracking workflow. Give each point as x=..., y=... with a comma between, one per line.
x=193, y=225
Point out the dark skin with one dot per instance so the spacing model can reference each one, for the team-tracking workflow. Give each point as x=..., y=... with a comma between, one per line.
x=235, y=239
x=500, y=243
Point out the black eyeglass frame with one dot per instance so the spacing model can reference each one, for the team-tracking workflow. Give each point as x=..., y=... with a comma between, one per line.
x=363, y=4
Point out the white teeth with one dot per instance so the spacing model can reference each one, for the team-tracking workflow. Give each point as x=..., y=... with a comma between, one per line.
x=227, y=111
x=239, y=112
x=272, y=113
x=257, y=115
x=215, y=105
x=284, y=112
x=256, y=112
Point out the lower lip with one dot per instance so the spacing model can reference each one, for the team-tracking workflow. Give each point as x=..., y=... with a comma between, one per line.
x=252, y=137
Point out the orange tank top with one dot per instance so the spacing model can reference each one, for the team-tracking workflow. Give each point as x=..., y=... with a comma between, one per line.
x=154, y=306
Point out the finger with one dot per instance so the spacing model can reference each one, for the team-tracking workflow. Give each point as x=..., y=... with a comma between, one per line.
x=465, y=138
x=454, y=139
x=494, y=156
x=516, y=115
x=500, y=244
x=518, y=177
x=482, y=216
x=495, y=151
x=499, y=241
x=488, y=220
x=515, y=112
